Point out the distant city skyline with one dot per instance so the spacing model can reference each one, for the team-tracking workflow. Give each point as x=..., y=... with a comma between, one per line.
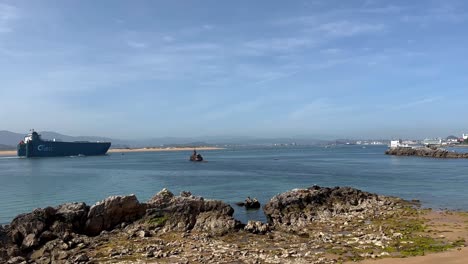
x=323, y=69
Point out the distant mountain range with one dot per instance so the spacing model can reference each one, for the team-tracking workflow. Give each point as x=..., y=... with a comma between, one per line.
x=6, y=147
x=9, y=140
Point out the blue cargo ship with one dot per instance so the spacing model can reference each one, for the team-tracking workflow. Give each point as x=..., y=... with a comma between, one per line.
x=34, y=146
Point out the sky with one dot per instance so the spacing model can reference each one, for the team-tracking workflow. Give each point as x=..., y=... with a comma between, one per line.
x=139, y=69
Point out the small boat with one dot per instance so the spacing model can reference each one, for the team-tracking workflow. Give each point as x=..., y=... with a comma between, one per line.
x=196, y=157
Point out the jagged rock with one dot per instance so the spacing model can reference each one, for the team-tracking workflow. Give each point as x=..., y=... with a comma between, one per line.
x=47, y=236
x=61, y=255
x=215, y=223
x=426, y=152
x=183, y=213
x=257, y=227
x=17, y=260
x=13, y=251
x=111, y=212
x=299, y=207
x=251, y=203
x=81, y=258
x=185, y=194
x=163, y=195
x=32, y=223
x=73, y=215
x=29, y=242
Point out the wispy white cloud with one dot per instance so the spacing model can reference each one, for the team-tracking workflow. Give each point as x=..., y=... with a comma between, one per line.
x=331, y=51
x=444, y=13
x=137, y=44
x=168, y=38
x=208, y=27
x=263, y=46
x=339, y=13
x=416, y=103
x=348, y=28
x=8, y=13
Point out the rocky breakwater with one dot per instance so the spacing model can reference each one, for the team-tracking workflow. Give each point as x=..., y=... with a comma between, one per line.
x=426, y=152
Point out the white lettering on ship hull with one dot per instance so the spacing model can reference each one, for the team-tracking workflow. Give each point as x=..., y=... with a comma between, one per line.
x=45, y=148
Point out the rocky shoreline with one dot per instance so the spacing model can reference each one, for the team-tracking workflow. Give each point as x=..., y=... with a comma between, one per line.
x=313, y=225
x=426, y=152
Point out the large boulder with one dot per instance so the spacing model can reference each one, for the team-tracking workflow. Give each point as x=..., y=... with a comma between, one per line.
x=188, y=212
x=31, y=226
x=300, y=207
x=70, y=217
x=112, y=211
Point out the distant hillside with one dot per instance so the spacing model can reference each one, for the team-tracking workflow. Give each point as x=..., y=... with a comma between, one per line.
x=6, y=147
x=58, y=136
x=11, y=139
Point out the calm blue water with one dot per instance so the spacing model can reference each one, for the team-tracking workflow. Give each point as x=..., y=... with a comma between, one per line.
x=230, y=175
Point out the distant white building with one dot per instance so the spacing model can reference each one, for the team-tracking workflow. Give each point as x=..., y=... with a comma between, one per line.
x=395, y=143
x=428, y=141
x=465, y=136
x=398, y=144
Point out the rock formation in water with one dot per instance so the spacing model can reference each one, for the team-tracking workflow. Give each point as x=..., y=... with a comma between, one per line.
x=250, y=203
x=299, y=207
x=426, y=152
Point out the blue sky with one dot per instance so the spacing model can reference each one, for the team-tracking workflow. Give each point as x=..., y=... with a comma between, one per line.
x=136, y=69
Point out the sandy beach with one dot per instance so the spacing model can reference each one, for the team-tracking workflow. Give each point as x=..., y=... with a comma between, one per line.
x=454, y=256
x=448, y=225
x=161, y=149
x=8, y=153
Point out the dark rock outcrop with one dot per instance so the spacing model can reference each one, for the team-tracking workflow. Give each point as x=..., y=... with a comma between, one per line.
x=188, y=212
x=30, y=232
x=31, y=226
x=299, y=207
x=73, y=215
x=426, y=152
x=112, y=211
x=249, y=203
x=3, y=242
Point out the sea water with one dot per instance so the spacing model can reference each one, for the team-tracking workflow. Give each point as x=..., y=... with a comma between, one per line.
x=230, y=175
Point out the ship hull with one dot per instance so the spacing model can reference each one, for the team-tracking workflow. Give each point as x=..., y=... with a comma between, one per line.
x=60, y=149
